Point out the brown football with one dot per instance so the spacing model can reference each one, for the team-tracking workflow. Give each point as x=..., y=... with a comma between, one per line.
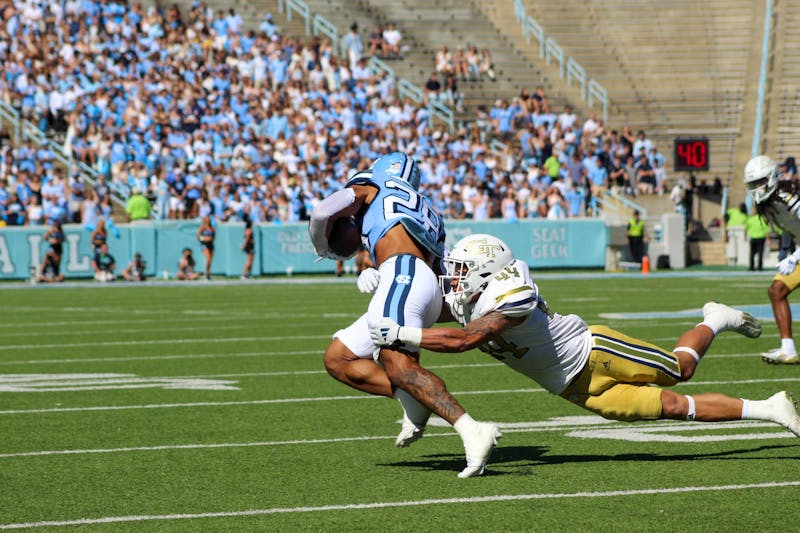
x=345, y=239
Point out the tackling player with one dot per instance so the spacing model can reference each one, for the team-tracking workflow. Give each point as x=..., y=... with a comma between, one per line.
x=778, y=201
x=405, y=238
x=491, y=294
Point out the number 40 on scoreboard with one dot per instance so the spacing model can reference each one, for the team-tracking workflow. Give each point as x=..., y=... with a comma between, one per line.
x=691, y=154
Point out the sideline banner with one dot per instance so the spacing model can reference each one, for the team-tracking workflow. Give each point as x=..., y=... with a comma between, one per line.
x=283, y=248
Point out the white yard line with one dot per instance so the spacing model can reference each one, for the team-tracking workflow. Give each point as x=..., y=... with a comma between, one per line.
x=114, y=331
x=407, y=503
x=788, y=379
x=155, y=357
x=187, y=316
x=218, y=404
x=162, y=341
x=567, y=425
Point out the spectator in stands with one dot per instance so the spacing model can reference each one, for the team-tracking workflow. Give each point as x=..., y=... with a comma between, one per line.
x=486, y=65
x=206, y=235
x=268, y=27
x=567, y=118
x=659, y=175
x=592, y=129
x=556, y=208
x=14, y=211
x=503, y=119
x=246, y=110
x=353, y=44
x=103, y=265
x=391, y=39
x=34, y=213
x=618, y=177
x=598, y=175
x=138, y=206
x=641, y=143
x=76, y=197
x=186, y=266
x=472, y=58
x=101, y=189
x=509, y=207
x=451, y=93
x=376, y=43
x=433, y=89
x=135, y=269
x=645, y=177
x=575, y=200
x=444, y=61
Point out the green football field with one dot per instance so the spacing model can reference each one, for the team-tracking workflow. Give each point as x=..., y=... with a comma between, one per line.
x=205, y=407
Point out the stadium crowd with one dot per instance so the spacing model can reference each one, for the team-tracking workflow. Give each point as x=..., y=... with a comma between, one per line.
x=207, y=118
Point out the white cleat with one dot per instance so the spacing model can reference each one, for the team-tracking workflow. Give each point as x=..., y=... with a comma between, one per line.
x=409, y=435
x=779, y=356
x=479, y=447
x=733, y=320
x=786, y=411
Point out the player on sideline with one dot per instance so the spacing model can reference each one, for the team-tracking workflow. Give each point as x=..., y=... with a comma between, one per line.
x=778, y=201
x=405, y=237
x=491, y=294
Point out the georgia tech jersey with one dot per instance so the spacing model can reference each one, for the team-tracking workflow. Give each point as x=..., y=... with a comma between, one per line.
x=783, y=210
x=547, y=347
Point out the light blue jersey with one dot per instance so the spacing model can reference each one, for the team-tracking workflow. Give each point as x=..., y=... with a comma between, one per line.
x=398, y=203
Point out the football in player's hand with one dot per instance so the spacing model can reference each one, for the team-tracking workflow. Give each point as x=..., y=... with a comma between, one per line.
x=345, y=238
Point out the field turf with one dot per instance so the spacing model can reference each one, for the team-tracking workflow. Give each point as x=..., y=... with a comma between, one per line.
x=205, y=407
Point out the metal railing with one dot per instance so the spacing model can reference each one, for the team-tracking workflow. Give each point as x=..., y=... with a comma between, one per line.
x=299, y=7
x=597, y=91
x=549, y=49
x=553, y=51
x=24, y=130
x=575, y=71
x=321, y=25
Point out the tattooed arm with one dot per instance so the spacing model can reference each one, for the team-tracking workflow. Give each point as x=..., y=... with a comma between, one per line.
x=479, y=331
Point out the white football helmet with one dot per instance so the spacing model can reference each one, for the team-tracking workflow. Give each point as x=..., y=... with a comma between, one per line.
x=761, y=175
x=470, y=266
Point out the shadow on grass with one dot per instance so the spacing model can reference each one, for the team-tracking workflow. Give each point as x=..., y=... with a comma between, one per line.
x=520, y=460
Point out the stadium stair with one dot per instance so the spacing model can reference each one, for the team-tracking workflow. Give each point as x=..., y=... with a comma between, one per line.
x=688, y=71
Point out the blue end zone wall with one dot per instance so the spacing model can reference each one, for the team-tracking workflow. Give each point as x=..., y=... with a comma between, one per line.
x=284, y=248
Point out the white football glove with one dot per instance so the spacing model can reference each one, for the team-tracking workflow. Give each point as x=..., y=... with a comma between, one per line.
x=368, y=280
x=384, y=332
x=387, y=332
x=787, y=265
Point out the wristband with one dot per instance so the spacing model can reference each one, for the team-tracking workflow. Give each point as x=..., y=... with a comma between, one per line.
x=411, y=337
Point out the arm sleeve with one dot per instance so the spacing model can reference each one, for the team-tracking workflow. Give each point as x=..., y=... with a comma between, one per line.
x=322, y=213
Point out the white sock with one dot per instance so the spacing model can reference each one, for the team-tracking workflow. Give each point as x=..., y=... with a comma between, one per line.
x=465, y=425
x=787, y=345
x=413, y=411
x=757, y=410
x=713, y=325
